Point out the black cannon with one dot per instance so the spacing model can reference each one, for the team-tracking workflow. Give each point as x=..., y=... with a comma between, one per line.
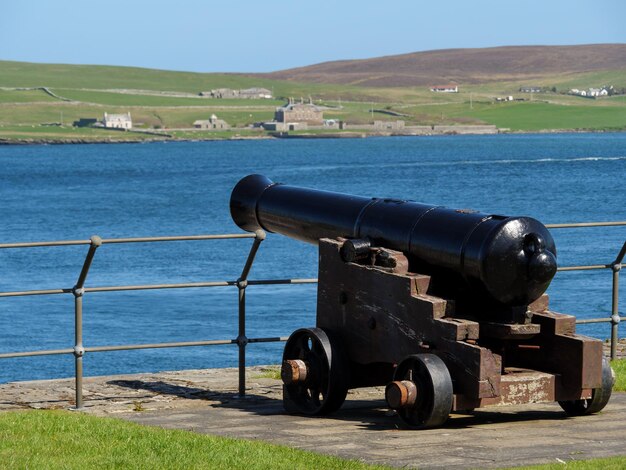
x=446, y=307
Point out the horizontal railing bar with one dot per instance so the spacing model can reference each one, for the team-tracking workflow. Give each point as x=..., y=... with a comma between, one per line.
x=259, y=282
x=49, y=352
x=268, y=282
x=36, y=244
x=268, y=340
x=177, y=238
x=594, y=320
x=35, y=292
x=129, y=347
x=584, y=268
x=182, y=344
x=129, y=240
x=160, y=286
x=587, y=224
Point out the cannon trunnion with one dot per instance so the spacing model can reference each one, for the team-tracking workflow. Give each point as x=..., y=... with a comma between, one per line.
x=448, y=313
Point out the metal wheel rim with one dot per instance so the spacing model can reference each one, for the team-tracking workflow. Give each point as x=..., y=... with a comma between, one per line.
x=326, y=386
x=434, y=384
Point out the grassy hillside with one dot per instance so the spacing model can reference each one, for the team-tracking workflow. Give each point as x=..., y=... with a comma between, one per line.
x=169, y=101
x=101, y=77
x=464, y=66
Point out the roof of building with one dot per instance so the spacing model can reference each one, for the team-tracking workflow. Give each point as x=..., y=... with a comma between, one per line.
x=290, y=106
x=117, y=117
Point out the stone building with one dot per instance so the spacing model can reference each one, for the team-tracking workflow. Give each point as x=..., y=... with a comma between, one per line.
x=299, y=112
x=221, y=93
x=117, y=121
x=389, y=125
x=212, y=123
x=246, y=93
x=255, y=93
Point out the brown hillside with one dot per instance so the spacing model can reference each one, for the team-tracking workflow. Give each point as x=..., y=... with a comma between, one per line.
x=462, y=65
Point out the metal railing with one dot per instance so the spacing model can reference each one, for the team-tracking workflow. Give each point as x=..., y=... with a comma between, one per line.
x=615, y=267
x=79, y=289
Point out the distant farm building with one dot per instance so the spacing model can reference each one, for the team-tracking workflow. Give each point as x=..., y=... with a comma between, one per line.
x=223, y=93
x=450, y=88
x=593, y=92
x=299, y=112
x=597, y=92
x=247, y=93
x=389, y=125
x=530, y=89
x=255, y=93
x=117, y=121
x=212, y=123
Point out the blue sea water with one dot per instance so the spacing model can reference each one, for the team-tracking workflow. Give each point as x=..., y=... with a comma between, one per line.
x=126, y=190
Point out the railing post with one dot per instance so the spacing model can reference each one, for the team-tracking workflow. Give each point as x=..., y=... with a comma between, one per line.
x=242, y=339
x=242, y=283
x=79, y=350
x=79, y=291
x=616, y=266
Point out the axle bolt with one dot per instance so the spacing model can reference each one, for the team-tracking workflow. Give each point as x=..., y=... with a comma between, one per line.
x=293, y=371
x=401, y=394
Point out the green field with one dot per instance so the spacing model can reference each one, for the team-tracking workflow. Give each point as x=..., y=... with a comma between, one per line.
x=536, y=116
x=66, y=440
x=150, y=97
x=130, y=99
x=25, y=96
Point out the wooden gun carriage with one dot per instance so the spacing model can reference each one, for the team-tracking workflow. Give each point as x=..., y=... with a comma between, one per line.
x=445, y=307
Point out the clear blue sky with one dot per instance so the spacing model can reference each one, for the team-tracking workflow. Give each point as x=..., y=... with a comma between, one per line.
x=256, y=36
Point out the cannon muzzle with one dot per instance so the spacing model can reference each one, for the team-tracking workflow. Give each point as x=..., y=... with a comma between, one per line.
x=509, y=260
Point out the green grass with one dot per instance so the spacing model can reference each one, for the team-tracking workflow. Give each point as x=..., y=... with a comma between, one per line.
x=269, y=372
x=617, y=78
x=24, y=96
x=610, y=463
x=65, y=133
x=619, y=366
x=63, y=440
x=536, y=116
x=128, y=99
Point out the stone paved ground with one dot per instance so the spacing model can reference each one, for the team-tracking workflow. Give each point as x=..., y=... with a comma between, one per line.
x=206, y=401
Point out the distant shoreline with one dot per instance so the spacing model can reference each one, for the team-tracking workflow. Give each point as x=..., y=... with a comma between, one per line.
x=346, y=135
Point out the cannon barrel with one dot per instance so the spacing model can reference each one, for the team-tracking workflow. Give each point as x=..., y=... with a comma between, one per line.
x=509, y=260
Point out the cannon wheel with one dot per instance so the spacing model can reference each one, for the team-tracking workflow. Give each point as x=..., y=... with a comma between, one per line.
x=434, y=390
x=327, y=381
x=599, y=396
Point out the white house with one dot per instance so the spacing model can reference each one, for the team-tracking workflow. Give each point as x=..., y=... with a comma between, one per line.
x=117, y=121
